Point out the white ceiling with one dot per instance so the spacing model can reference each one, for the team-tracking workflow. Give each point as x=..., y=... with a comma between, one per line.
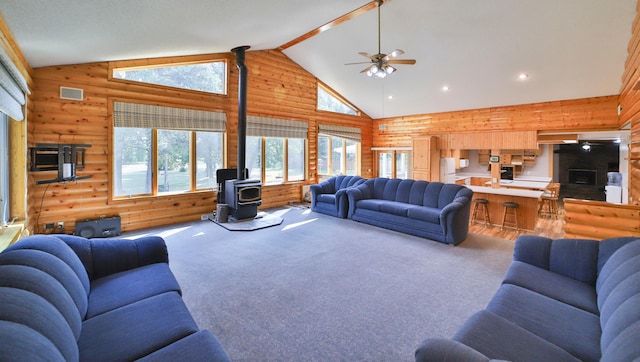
x=570, y=48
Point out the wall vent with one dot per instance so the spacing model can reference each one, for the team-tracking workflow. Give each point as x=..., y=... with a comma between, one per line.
x=75, y=94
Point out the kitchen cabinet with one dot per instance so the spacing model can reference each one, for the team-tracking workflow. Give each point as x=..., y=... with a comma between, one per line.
x=425, y=158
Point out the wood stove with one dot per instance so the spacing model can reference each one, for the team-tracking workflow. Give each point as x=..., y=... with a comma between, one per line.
x=242, y=195
x=243, y=198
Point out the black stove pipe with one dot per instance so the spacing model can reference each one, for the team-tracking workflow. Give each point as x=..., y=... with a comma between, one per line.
x=242, y=109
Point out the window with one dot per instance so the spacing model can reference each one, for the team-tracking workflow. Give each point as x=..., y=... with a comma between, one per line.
x=276, y=149
x=393, y=164
x=330, y=101
x=338, y=150
x=205, y=77
x=284, y=159
x=185, y=146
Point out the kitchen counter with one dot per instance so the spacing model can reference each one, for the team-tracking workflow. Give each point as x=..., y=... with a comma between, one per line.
x=519, y=184
x=527, y=199
x=506, y=191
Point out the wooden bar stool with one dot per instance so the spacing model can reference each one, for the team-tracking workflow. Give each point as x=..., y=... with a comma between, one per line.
x=510, y=206
x=548, y=203
x=481, y=206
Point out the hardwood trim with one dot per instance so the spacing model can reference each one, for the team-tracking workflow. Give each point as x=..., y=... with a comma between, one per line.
x=332, y=24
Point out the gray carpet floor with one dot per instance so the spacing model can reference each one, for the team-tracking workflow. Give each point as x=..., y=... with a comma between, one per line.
x=319, y=288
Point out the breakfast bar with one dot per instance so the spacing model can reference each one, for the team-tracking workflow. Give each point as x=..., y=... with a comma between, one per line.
x=527, y=200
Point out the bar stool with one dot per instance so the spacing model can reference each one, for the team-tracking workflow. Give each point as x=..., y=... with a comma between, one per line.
x=510, y=206
x=481, y=206
x=548, y=203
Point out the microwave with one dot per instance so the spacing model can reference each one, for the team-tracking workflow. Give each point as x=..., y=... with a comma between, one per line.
x=506, y=172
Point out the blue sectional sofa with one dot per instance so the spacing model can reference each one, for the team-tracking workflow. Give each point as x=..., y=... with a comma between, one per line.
x=432, y=210
x=560, y=300
x=329, y=197
x=67, y=298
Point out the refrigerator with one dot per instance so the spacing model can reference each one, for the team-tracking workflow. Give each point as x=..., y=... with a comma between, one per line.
x=448, y=170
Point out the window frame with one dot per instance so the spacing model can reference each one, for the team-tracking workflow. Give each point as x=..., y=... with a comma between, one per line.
x=155, y=174
x=163, y=62
x=338, y=97
x=343, y=161
x=285, y=164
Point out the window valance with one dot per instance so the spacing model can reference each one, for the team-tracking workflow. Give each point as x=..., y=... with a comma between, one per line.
x=13, y=88
x=350, y=133
x=136, y=115
x=274, y=127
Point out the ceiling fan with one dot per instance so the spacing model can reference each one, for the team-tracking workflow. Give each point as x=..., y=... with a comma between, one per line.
x=381, y=64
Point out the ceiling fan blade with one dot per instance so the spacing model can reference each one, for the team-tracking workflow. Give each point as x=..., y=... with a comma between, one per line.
x=357, y=63
x=402, y=61
x=393, y=54
x=366, y=55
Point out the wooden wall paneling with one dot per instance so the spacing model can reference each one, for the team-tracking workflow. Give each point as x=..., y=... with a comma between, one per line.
x=600, y=220
x=277, y=88
x=630, y=107
x=598, y=113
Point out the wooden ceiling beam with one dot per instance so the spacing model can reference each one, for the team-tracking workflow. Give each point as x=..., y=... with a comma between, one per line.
x=332, y=24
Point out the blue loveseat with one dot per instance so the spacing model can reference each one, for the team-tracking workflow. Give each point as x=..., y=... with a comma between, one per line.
x=67, y=298
x=432, y=210
x=329, y=197
x=560, y=300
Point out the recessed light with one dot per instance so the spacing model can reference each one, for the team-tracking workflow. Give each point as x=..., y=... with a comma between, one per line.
x=389, y=97
x=445, y=88
x=523, y=76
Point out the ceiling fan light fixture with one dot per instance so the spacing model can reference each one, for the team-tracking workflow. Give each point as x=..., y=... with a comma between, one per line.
x=389, y=69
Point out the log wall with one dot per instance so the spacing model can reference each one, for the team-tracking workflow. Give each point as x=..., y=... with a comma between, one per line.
x=600, y=220
x=630, y=103
x=277, y=88
x=588, y=114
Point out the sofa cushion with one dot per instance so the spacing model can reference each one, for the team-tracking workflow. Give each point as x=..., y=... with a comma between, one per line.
x=394, y=208
x=582, y=266
x=619, y=299
x=498, y=338
x=33, y=326
x=21, y=343
x=108, y=293
x=556, y=286
x=572, y=329
x=57, y=248
x=424, y=213
x=53, y=266
x=327, y=198
x=136, y=330
x=44, y=285
x=370, y=204
x=431, y=195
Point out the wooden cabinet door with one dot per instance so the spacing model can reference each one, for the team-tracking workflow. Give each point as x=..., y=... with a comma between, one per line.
x=426, y=158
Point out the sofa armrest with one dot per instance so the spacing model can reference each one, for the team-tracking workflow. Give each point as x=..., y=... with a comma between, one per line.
x=442, y=349
x=102, y=257
x=355, y=194
x=454, y=220
x=573, y=258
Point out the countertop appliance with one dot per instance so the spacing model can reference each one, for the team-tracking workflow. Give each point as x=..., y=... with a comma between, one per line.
x=448, y=170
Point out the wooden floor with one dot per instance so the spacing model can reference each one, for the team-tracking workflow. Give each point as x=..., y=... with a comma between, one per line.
x=548, y=227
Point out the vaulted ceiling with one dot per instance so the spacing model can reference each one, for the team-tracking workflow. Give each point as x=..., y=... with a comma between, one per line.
x=477, y=48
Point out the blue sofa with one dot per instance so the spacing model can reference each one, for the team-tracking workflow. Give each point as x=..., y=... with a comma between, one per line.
x=560, y=300
x=432, y=210
x=329, y=197
x=67, y=298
